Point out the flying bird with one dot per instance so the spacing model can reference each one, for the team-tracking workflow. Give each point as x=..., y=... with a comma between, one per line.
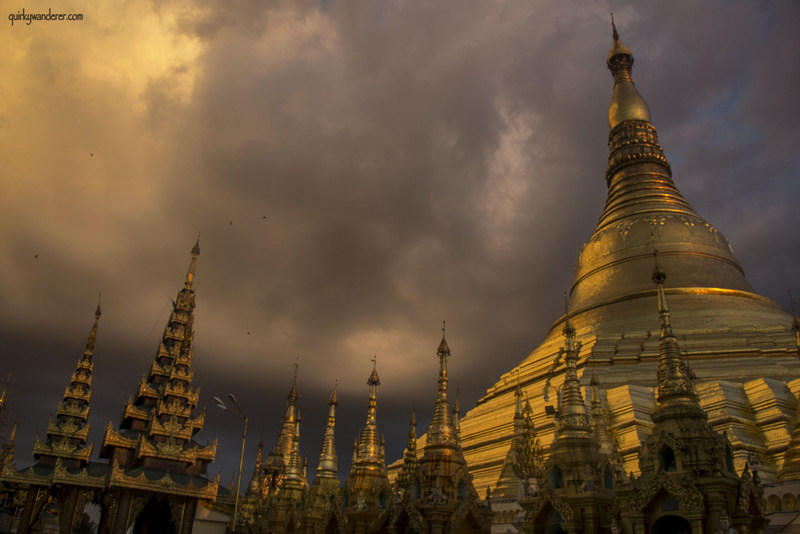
x=263, y=217
x=230, y=223
x=35, y=255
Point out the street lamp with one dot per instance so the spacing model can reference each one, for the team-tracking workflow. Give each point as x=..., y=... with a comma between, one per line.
x=237, y=411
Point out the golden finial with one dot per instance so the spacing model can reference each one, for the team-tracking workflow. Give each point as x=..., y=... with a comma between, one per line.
x=97, y=311
x=190, y=272
x=614, y=28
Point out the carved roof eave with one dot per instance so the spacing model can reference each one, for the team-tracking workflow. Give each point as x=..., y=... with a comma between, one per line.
x=65, y=450
x=179, y=431
x=71, y=411
x=76, y=393
x=146, y=390
x=683, y=489
x=396, y=508
x=87, y=381
x=132, y=411
x=165, y=484
x=192, y=397
x=71, y=431
x=115, y=476
x=58, y=476
x=174, y=409
x=544, y=496
x=112, y=438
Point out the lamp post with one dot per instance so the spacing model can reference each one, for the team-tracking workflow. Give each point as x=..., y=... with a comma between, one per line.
x=237, y=411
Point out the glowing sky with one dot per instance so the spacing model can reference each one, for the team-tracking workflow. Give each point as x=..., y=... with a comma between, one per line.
x=359, y=172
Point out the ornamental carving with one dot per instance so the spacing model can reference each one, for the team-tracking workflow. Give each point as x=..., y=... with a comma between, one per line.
x=686, y=493
x=544, y=496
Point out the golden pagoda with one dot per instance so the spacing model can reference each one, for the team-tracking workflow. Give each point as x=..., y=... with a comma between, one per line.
x=435, y=492
x=742, y=346
x=275, y=497
x=323, y=508
x=366, y=492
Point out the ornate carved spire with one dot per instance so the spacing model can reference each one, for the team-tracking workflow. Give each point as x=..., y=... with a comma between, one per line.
x=280, y=456
x=674, y=380
x=294, y=478
x=573, y=416
x=190, y=272
x=599, y=424
x=66, y=437
x=327, y=467
x=442, y=431
x=410, y=463
x=161, y=412
x=369, y=448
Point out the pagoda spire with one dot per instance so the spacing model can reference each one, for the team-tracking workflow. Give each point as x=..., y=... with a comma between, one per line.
x=158, y=427
x=644, y=201
x=675, y=391
x=599, y=424
x=573, y=416
x=626, y=104
x=369, y=447
x=66, y=437
x=328, y=463
x=278, y=460
x=442, y=430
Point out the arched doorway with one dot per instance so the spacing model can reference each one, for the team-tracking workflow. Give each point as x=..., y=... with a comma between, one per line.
x=155, y=518
x=555, y=529
x=671, y=524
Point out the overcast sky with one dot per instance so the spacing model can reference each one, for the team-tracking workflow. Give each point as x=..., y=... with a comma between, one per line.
x=359, y=172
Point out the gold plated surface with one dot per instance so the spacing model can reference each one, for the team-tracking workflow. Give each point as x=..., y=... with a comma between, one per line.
x=736, y=341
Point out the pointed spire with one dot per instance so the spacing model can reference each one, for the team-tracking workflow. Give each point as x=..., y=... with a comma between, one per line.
x=279, y=458
x=405, y=477
x=674, y=379
x=573, y=416
x=327, y=467
x=255, y=480
x=599, y=424
x=93, y=333
x=626, y=104
x=192, y=265
x=369, y=448
x=294, y=478
x=67, y=435
x=442, y=430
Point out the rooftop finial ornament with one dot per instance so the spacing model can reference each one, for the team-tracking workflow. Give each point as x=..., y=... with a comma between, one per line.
x=614, y=28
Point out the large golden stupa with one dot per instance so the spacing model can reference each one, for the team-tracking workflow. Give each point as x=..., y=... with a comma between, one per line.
x=741, y=346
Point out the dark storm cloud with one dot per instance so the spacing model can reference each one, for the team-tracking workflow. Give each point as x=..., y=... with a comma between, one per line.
x=358, y=175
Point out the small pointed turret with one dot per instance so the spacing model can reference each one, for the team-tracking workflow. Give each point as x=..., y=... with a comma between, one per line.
x=278, y=460
x=599, y=424
x=573, y=415
x=675, y=388
x=369, y=448
x=327, y=467
x=294, y=478
x=442, y=430
x=367, y=486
